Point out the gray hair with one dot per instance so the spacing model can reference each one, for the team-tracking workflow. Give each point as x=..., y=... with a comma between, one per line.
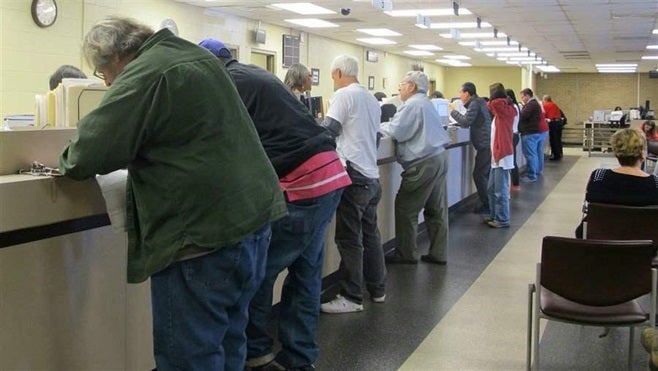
x=113, y=36
x=296, y=75
x=348, y=65
x=419, y=79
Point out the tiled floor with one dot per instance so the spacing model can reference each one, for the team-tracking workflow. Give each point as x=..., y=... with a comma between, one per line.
x=471, y=314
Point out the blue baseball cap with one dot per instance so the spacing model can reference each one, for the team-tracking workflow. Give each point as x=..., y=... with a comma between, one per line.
x=216, y=47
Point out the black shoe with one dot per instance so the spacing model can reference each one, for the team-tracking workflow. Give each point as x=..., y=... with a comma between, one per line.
x=394, y=258
x=429, y=259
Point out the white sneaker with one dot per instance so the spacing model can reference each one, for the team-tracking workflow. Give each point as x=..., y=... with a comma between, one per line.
x=340, y=305
x=379, y=299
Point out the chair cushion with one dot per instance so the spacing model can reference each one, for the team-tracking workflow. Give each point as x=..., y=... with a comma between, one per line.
x=556, y=306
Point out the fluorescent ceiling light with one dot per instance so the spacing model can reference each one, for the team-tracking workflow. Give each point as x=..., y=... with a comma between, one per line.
x=425, y=47
x=448, y=25
x=504, y=49
x=523, y=62
x=474, y=35
x=655, y=32
x=427, y=12
x=645, y=57
x=378, y=32
x=652, y=47
x=517, y=54
x=376, y=41
x=456, y=57
x=453, y=62
x=418, y=52
x=548, y=68
x=311, y=22
x=615, y=65
x=522, y=58
x=303, y=8
x=489, y=43
x=616, y=70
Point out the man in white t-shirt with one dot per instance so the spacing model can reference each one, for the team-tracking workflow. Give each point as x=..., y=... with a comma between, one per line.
x=353, y=118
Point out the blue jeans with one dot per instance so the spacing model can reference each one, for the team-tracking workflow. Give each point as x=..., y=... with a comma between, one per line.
x=498, y=190
x=200, y=306
x=531, y=144
x=540, y=151
x=297, y=244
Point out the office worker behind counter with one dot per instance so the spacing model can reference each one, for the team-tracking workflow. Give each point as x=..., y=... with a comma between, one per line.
x=626, y=184
x=312, y=178
x=201, y=191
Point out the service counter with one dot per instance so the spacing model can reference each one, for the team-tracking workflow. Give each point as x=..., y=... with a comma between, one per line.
x=64, y=300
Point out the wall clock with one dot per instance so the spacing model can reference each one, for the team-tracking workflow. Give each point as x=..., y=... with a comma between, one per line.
x=44, y=12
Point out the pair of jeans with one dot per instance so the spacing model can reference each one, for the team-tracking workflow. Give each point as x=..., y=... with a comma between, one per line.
x=515, y=171
x=498, y=190
x=540, y=151
x=298, y=246
x=481, y=175
x=358, y=240
x=531, y=144
x=423, y=187
x=200, y=306
x=555, y=137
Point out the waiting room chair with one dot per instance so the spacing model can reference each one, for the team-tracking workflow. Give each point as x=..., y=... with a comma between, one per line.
x=620, y=222
x=652, y=156
x=591, y=283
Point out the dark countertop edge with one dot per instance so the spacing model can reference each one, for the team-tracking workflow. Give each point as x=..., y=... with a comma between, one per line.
x=31, y=234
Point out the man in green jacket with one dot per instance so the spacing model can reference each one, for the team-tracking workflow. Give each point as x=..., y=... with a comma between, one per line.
x=201, y=191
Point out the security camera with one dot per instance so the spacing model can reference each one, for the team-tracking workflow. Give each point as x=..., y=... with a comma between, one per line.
x=345, y=11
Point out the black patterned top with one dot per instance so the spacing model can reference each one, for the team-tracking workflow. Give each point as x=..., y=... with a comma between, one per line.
x=608, y=187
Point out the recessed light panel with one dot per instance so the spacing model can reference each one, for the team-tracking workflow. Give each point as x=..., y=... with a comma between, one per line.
x=378, y=32
x=311, y=22
x=303, y=8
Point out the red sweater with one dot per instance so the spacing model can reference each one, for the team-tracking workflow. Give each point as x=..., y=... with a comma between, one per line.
x=504, y=113
x=552, y=111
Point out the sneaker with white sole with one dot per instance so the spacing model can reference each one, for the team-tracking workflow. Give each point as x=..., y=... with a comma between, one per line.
x=340, y=305
x=379, y=299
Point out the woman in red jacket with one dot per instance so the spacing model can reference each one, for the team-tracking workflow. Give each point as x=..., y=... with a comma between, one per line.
x=502, y=156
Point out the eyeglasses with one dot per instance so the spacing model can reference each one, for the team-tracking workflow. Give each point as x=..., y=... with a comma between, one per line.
x=100, y=75
x=404, y=83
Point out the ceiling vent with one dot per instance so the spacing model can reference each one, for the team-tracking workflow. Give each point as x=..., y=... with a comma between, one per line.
x=575, y=55
x=343, y=20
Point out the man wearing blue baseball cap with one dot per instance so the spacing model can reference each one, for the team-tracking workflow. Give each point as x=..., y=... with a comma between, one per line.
x=312, y=179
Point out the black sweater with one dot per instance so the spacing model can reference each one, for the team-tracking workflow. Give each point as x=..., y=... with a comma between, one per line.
x=287, y=129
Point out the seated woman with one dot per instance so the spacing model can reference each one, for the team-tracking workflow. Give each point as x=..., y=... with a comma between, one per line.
x=626, y=184
x=649, y=129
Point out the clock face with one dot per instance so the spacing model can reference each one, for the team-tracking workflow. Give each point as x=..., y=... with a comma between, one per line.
x=44, y=12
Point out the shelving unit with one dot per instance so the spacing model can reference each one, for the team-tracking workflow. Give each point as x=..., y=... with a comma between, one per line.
x=596, y=136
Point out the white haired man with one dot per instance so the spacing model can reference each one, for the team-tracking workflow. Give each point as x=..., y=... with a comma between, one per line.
x=420, y=149
x=353, y=118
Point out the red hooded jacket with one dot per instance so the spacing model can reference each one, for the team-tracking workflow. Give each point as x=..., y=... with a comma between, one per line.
x=504, y=113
